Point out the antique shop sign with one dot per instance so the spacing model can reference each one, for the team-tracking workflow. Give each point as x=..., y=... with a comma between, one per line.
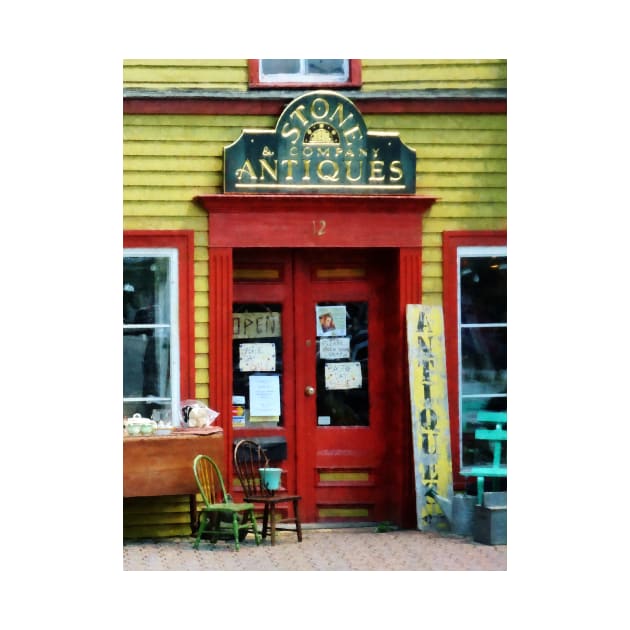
x=429, y=413
x=320, y=145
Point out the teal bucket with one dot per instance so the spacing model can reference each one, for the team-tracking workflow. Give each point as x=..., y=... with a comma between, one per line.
x=270, y=478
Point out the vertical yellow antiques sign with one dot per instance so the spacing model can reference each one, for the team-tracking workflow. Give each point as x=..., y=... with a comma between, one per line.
x=429, y=413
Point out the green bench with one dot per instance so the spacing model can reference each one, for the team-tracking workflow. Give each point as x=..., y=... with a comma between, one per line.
x=496, y=437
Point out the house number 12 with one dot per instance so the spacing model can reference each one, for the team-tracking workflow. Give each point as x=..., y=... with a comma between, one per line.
x=319, y=227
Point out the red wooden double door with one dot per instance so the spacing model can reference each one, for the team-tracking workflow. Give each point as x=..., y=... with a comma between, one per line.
x=316, y=359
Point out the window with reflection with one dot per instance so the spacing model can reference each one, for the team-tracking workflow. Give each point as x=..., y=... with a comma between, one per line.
x=150, y=339
x=342, y=364
x=257, y=352
x=482, y=345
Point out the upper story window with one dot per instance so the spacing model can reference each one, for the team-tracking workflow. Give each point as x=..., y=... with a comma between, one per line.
x=281, y=73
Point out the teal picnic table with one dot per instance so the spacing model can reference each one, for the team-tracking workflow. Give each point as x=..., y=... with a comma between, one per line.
x=496, y=437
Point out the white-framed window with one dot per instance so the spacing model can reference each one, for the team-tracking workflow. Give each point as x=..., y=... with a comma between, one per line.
x=482, y=329
x=304, y=70
x=151, y=333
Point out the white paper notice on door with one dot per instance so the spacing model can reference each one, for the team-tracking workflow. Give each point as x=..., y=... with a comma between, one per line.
x=264, y=395
x=345, y=375
x=334, y=348
x=257, y=357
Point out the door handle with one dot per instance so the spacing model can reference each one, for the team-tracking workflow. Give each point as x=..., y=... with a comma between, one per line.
x=309, y=390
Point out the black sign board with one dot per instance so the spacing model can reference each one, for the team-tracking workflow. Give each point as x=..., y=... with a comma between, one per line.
x=320, y=145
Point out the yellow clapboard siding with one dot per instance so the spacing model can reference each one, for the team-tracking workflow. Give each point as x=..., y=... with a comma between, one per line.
x=434, y=85
x=184, y=62
x=202, y=391
x=464, y=195
x=432, y=254
x=181, y=132
x=190, y=73
x=397, y=122
x=201, y=375
x=428, y=62
x=473, y=223
x=432, y=299
x=432, y=285
x=173, y=503
x=470, y=165
x=201, y=346
x=464, y=180
x=201, y=239
x=201, y=282
x=201, y=315
x=201, y=254
x=453, y=136
x=173, y=148
x=201, y=299
x=446, y=209
x=201, y=269
x=429, y=84
x=461, y=72
x=183, y=194
x=226, y=121
x=431, y=269
x=162, y=518
x=201, y=363
x=164, y=223
x=162, y=209
x=201, y=329
x=156, y=531
x=190, y=164
x=426, y=152
x=183, y=179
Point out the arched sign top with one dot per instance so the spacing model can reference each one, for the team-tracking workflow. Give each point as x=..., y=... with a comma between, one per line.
x=321, y=144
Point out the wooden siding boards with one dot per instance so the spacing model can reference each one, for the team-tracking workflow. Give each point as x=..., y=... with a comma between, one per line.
x=169, y=159
x=377, y=74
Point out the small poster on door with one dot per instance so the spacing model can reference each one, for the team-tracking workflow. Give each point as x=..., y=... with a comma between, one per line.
x=264, y=395
x=334, y=348
x=330, y=321
x=257, y=357
x=346, y=375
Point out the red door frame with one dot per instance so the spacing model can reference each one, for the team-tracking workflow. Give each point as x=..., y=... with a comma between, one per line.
x=450, y=242
x=237, y=220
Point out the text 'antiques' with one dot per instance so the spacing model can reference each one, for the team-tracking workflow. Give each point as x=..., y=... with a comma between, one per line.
x=320, y=145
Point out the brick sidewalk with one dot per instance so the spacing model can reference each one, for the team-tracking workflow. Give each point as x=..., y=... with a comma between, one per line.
x=345, y=549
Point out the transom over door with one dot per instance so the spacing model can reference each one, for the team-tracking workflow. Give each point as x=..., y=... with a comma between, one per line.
x=333, y=375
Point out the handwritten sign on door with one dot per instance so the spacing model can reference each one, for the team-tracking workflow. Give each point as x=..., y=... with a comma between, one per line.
x=257, y=357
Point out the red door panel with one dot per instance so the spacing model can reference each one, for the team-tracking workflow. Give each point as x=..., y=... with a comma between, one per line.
x=333, y=380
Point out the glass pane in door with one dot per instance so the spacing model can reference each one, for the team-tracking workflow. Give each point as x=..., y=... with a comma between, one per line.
x=342, y=364
x=258, y=365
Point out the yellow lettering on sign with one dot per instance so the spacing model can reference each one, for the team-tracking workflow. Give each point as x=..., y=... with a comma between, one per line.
x=265, y=167
x=376, y=171
x=395, y=168
x=246, y=169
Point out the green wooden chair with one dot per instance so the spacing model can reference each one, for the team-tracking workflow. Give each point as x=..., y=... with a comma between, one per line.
x=219, y=506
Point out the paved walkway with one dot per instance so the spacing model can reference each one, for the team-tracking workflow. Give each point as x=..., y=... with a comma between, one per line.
x=345, y=549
